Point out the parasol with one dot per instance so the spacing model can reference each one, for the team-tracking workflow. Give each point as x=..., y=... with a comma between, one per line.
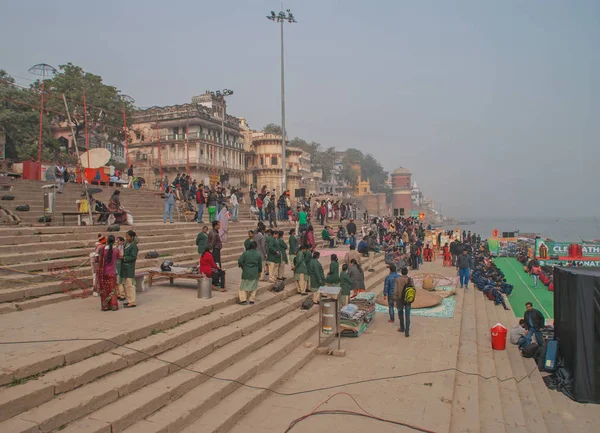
x=98, y=157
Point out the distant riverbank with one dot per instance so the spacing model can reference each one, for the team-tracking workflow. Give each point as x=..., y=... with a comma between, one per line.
x=559, y=229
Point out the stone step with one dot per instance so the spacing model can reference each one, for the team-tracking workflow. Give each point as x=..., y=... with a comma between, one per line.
x=130, y=371
x=512, y=407
x=170, y=245
x=531, y=411
x=232, y=408
x=491, y=419
x=180, y=413
x=88, y=235
x=465, y=403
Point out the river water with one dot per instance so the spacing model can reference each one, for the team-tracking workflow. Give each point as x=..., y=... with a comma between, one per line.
x=558, y=229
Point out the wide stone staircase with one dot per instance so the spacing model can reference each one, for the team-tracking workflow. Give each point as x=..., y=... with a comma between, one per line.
x=509, y=394
x=201, y=370
x=175, y=363
x=41, y=264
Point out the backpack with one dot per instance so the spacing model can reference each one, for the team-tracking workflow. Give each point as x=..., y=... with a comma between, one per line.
x=409, y=292
x=114, y=228
x=307, y=303
x=8, y=197
x=22, y=208
x=529, y=350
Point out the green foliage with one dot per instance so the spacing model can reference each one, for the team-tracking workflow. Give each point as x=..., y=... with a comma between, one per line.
x=19, y=120
x=370, y=169
x=272, y=128
x=104, y=103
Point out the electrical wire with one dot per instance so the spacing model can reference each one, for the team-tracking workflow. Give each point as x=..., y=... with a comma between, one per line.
x=351, y=413
x=260, y=388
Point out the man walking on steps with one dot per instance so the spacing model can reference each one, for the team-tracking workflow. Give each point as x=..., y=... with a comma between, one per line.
x=535, y=320
x=463, y=264
x=401, y=284
x=388, y=290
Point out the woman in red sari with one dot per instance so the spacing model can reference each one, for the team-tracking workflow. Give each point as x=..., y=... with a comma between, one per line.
x=108, y=275
x=446, y=255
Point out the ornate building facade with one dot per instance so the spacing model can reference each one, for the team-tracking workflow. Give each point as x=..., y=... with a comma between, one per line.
x=188, y=138
x=264, y=162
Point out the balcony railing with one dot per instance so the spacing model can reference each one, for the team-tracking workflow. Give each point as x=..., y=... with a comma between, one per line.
x=201, y=136
x=182, y=162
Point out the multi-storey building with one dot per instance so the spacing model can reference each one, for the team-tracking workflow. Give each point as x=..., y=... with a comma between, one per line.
x=188, y=138
x=265, y=164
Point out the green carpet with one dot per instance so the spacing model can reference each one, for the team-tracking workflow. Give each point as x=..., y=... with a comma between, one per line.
x=523, y=291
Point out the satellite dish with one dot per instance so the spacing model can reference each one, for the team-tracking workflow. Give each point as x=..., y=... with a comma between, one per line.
x=98, y=157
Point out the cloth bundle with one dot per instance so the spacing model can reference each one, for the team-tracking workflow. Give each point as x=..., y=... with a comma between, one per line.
x=357, y=316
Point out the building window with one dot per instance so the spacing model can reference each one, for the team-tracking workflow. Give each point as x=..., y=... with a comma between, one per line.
x=401, y=211
x=175, y=130
x=273, y=160
x=262, y=161
x=138, y=135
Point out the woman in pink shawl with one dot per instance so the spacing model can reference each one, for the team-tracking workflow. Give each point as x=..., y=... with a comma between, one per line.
x=223, y=218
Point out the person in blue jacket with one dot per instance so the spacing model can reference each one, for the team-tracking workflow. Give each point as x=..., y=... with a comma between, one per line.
x=388, y=290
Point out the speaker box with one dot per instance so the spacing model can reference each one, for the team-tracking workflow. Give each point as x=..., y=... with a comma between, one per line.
x=300, y=193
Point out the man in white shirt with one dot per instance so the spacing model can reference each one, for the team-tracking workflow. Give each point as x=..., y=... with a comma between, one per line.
x=518, y=334
x=234, y=205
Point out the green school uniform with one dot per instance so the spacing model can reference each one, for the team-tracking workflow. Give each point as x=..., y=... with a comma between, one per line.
x=283, y=249
x=251, y=263
x=334, y=273
x=202, y=242
x=247, y=244
x=273, y=253
x=317, y=276
x=130, y=254
x=345, y=284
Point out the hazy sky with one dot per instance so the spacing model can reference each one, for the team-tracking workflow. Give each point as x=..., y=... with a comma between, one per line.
x=493, y=105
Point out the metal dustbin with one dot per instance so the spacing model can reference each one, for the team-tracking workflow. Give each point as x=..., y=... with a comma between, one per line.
x=329, y=318
x=204, y=288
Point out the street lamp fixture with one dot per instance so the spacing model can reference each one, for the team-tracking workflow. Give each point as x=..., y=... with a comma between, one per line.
x=222, y=94
x=282, y=17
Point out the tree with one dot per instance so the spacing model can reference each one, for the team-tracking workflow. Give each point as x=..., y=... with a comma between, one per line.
x=105, y=103
x=272, y=128
x=19, y=120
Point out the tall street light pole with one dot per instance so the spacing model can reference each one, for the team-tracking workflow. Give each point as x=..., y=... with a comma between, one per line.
x=221, y=94
x=281, y=18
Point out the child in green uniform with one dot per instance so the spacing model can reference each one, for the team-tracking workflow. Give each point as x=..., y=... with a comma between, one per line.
x=251, y=263
x=300, y=271
x=317, y=276
x=284, y=257
x=345, y=284
x=333, y=276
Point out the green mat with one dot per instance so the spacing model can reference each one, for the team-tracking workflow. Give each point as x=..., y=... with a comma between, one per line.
x=541, y=298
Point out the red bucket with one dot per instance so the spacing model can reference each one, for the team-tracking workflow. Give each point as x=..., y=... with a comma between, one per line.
x=498, y=337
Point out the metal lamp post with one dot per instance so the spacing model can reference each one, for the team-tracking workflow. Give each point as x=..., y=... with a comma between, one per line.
x=282, y=17
x=222, y=94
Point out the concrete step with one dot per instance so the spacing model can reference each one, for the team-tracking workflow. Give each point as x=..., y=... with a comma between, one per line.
x=189, y=408
x=166, y=246
x=512, y=407
x=531, y=411
x=131, y=371
x=181, y=387
x=232, y=408
x=465, y=403
x=491, y=419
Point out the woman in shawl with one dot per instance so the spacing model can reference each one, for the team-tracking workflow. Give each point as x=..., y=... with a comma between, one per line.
x=95, y=259
x=115, y=208
x=333, y=276
x=223, y=218
x=317, y=276
x=357, y=277
x=251, y=263
x=108, y=275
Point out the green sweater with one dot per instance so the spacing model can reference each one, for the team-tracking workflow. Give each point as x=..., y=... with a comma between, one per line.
x=283, y=250
x=202, y=242
x=325, y=235
x=251, y=263
x=345, y=283
x=317, y=276
x=333, y=277
x=130, y=254
x=300, y=265
x=273, y=253
x=247, y=243
x=293, y=245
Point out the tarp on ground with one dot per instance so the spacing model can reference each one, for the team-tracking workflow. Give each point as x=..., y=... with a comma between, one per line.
x=577, y=328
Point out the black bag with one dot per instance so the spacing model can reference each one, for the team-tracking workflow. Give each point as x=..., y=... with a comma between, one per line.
x=278, y=286
x=45, y=219
x=22, y=208
x=307, y=303
x=8, y=197
x=529, y=350
x=152, y=255
x=114, y=228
